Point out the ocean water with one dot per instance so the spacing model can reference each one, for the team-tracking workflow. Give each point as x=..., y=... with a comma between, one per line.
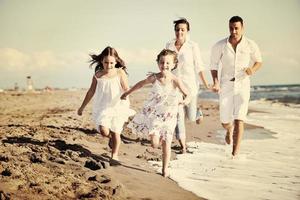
x=268, y=166
x=275, y=93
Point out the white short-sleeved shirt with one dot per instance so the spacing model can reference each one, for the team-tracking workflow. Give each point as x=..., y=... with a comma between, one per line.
x=233, y=63
x=189, y=64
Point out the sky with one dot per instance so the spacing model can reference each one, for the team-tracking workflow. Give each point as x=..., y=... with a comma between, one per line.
x=50, y=40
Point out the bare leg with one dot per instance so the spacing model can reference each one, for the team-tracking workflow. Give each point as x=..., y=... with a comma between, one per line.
x=229, y=132
x=166, y=149
x=104, y=131
x=154, y=141
x=237, y=136
x=116, y=141
x=180, y=129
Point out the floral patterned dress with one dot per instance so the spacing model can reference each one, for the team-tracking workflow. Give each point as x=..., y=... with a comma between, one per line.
x=159, y=113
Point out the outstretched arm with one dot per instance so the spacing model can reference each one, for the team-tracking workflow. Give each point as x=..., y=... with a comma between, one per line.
x=137, y=86
x=90, y=93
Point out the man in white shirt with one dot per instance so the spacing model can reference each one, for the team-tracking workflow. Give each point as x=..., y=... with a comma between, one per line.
x=234, y=59
x=189, y=69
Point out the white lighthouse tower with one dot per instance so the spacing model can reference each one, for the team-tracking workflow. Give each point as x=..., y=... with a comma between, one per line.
x=29, y=84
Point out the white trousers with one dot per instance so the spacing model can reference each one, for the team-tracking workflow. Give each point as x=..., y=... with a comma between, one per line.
x=233, y=104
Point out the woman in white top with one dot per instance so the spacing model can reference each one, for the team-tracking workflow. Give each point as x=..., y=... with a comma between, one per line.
x=190, y=68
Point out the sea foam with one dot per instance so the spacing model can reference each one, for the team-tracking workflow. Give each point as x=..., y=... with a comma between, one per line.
x=266, y=168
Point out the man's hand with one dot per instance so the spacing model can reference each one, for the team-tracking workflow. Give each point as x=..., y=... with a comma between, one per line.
x=216, y=87
x=249, y=71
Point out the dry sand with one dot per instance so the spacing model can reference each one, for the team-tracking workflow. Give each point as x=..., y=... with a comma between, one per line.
x=49, y=152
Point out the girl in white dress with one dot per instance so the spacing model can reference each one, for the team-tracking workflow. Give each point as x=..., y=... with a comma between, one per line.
x=158, y=117
x=108, y=83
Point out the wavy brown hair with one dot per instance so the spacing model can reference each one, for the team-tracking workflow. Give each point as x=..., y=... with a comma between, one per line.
x=108, y=51
x=166, y=52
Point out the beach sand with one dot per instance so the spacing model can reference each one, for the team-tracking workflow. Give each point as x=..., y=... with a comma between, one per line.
x=49, y=152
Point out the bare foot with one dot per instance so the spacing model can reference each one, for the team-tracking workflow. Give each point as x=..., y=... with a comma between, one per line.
x=114, y=156
x=199, y=116
x=228, y=137
x=199, y=120
x=234, y=154
x=182, y=151
x=165, y=174
x=114, y=162
x=152, y=152
x=234, y=157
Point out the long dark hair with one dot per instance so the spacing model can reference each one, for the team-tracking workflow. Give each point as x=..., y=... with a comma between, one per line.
x=108, y=51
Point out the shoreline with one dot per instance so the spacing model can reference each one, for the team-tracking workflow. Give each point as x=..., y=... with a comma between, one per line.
x=267, y=161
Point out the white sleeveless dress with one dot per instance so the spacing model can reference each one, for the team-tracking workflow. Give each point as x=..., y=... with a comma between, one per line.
x=159, y=113
x=108, y=109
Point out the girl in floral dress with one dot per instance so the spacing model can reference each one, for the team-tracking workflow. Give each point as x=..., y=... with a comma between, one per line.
x=158, y=117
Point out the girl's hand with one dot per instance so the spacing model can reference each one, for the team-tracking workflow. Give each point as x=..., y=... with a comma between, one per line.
x=79, y=111
x=208, y=87
x=183, y=102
